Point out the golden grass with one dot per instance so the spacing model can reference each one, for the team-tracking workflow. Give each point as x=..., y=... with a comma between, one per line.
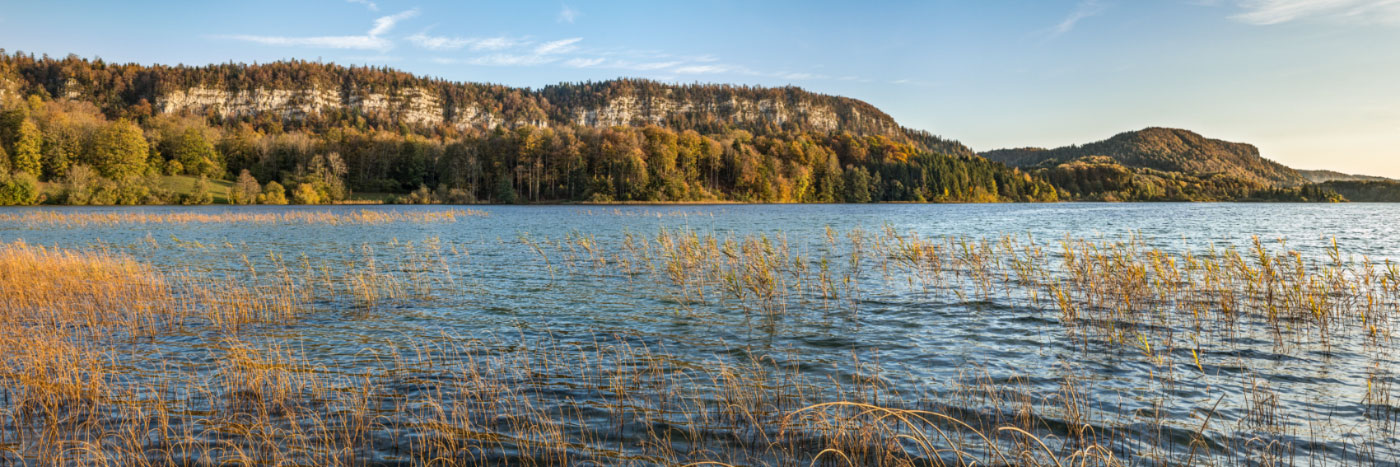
x=72, y=391
x=1122, y=291
x=64, y=397
x=73, y=219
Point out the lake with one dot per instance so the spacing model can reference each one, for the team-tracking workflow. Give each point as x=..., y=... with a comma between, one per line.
x=812, y=302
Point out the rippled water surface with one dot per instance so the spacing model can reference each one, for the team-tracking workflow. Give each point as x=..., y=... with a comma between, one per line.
x=511, y=277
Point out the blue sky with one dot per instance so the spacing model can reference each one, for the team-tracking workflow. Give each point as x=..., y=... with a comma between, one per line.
x=1313, y=83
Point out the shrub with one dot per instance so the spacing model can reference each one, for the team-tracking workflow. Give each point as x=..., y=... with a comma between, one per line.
x=273, y=193
x=245, y=190
x=19, y=189
x=305, y=193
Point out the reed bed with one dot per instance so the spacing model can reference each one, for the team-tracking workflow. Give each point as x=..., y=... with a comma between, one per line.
x=71, y=391
x=78, y=219
x=1190, y=314
x=84, y=376
x=1120, y=291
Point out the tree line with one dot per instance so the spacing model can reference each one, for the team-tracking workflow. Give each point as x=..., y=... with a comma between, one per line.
x=80, y=131
x=89, y=158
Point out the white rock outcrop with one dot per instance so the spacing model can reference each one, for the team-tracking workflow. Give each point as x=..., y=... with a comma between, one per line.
x=630, y=110
x=422, y=107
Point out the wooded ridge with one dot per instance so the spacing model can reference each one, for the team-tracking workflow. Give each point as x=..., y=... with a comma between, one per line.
x=80, y=131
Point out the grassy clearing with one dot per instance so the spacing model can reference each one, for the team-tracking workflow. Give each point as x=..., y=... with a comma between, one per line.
x=183, y=185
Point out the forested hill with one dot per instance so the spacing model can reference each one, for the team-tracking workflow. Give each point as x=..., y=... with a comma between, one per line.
x=310, y=93
x=1323, y=176
x=1166, y=150
x=97, y=132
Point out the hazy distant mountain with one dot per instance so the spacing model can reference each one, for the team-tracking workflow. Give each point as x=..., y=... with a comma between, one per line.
x=1321, y=176
x=1166, y=150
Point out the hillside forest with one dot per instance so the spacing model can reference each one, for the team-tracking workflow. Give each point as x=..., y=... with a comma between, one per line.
x=85, y=132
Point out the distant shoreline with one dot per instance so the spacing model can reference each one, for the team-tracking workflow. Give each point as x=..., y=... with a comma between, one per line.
x=686, y=203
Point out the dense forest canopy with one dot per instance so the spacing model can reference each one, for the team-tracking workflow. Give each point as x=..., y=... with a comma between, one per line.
x=309, y=133
x=136, y=91
x=82, y=131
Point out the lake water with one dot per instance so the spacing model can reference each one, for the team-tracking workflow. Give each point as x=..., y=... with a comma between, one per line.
x=509, y=277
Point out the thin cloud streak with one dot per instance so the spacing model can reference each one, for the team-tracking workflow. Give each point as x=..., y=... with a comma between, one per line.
x=478, y=44
x=372, y=40
x=558, y=47
x=385, y=23
x=512, y=60
x=1085, y=9
x=325, y=42
x=1270, y=12
x=584, y=62
x=503, y=51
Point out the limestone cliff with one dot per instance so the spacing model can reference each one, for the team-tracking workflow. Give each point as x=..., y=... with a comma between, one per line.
x=421, y=106
x=293, y=91
x=622, y=105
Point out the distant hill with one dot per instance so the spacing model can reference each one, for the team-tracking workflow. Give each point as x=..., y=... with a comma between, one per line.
x=1367, y=191
x=1166, y=150
x=1322, y=176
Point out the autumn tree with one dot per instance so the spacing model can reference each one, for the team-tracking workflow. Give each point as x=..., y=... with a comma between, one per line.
x=306, y=193
x=18, y=189
x=119, y=150
x=273, y=193
x=245, y=190
x=195, y=154
x=25, y=154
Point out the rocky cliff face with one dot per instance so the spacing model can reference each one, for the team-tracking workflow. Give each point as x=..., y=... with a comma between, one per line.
x=385, y=98
x=412, y=106
x=417, y=106
x=631, y=110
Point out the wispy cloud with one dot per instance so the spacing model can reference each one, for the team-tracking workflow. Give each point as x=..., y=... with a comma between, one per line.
x=385, y=23
x=367, y=3
x=425, y=41
x=571, y=53
x=372, y=40
x=702, y=69
x=512, y=60
x=546, y=53
x=601, y=62
x=1267, y=12
x=524, y=51
x=566, y=15
x=1085, y=9
x=654, y=65
x=558, y=47
x=325, y=42
x=913, y=82
x=584, y=62
x=497, y=43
